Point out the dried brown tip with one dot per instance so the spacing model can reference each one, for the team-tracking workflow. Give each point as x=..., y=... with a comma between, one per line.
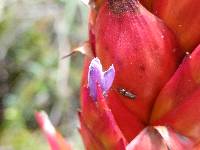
x=85, y=49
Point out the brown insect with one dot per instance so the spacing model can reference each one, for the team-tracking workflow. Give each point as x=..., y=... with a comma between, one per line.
x=126, y=93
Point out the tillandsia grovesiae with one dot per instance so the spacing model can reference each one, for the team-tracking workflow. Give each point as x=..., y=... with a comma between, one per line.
x=149, y=98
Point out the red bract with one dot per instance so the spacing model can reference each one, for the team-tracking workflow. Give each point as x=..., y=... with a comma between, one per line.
x=183, y=18
x=96, y=115
x=179, y=101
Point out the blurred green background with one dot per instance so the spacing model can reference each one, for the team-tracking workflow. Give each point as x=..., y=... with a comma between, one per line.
x=34, y=35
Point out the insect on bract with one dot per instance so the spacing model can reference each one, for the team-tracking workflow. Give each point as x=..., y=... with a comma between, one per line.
x=126, y=93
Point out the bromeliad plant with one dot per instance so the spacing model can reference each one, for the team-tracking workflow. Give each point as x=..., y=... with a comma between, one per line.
x=149, y=98
x=153, y=102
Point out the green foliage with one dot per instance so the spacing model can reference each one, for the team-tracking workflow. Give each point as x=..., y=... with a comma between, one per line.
x=30, y=66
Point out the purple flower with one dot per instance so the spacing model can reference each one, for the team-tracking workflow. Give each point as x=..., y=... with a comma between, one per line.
x=97, y=76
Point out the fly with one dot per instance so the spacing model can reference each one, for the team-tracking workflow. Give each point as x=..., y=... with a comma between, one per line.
x=126, y=93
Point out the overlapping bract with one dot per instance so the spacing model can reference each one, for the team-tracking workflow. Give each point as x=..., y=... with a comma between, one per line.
x=183, y=18
x=178, y=104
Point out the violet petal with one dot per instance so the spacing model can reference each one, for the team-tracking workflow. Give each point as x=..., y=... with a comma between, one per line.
x=97, y=76
x=108, y=78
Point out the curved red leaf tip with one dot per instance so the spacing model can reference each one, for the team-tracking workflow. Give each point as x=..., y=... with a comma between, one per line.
x=97, y=76
x=56, y=141
x=44, y=123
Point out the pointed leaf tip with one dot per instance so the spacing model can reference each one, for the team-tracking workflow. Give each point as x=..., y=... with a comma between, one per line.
x=55, y=140
x=44, y=122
